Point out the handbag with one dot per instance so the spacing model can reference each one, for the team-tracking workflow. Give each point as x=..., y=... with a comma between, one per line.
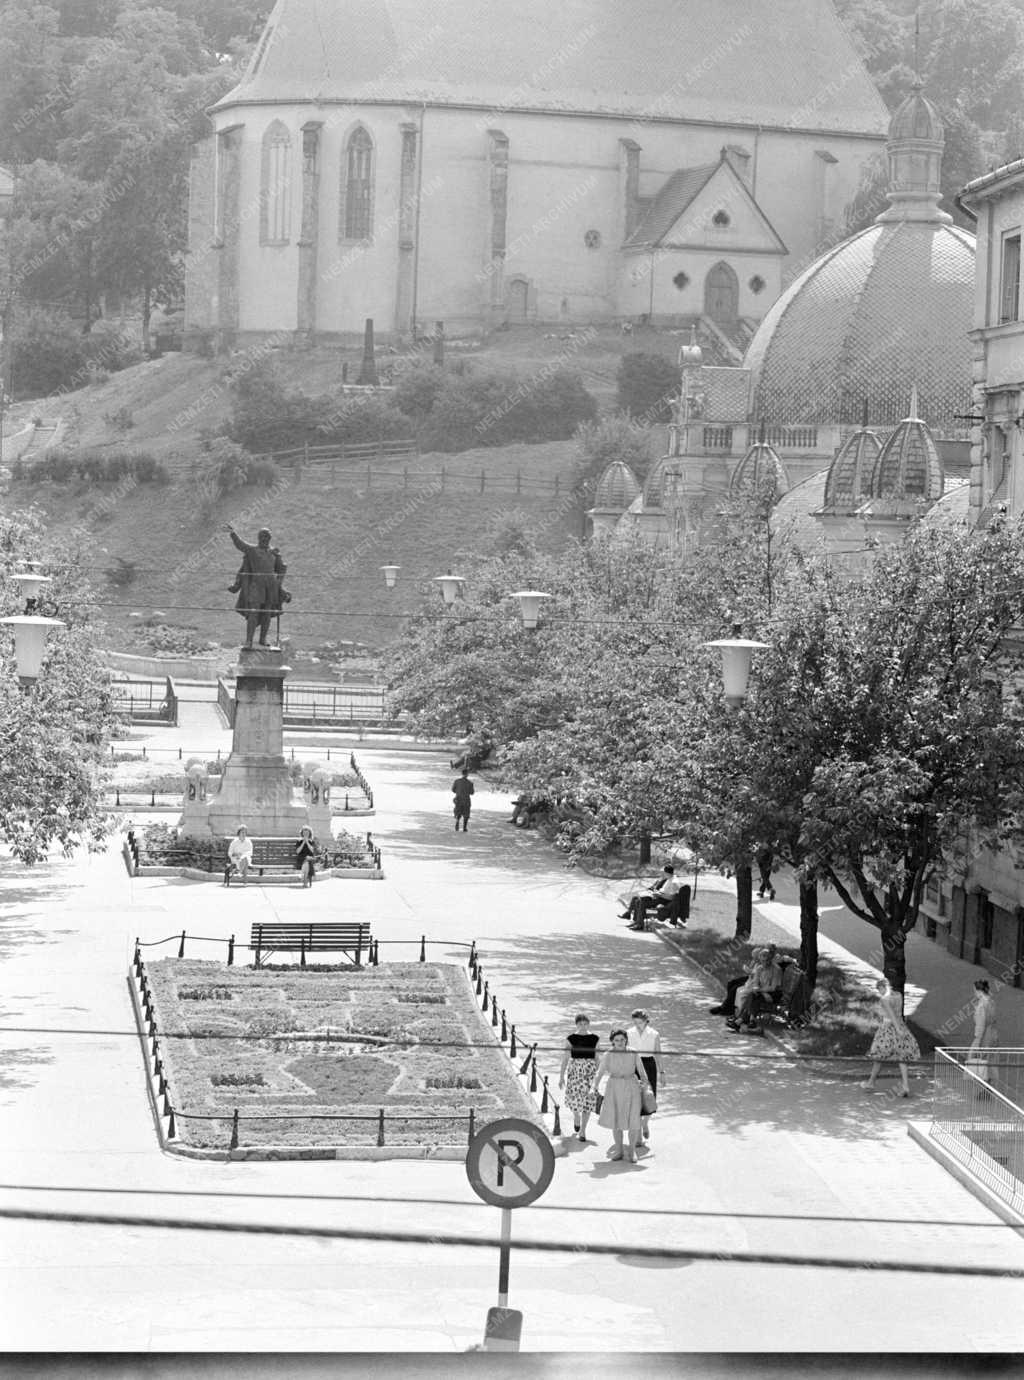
x=648, y=1101
x=598, y=1101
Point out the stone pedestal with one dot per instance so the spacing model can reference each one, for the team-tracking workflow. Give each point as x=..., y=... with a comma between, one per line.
x=256, y=788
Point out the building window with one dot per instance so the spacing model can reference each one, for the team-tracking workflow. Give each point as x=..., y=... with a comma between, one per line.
x=274, y=185
x=986, y=920
x=592, y=239
x=357, y=186
x=1009, y=279
x=681, y=281
x=757, y=283
x=720, y=218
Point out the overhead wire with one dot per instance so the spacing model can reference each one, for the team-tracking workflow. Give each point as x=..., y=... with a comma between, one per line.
x=574, y=1248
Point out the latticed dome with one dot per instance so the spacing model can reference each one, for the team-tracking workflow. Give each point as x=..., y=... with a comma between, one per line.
x=850, y=472
x=885, y=309
x=908, y=465
x=760, y=469
x=655, y=488
x=617, y=487
x=916, y=118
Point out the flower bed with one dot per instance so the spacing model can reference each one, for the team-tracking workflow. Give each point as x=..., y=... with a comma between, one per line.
x=337, y=1041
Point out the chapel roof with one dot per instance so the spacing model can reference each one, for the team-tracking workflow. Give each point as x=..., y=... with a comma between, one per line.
x=709, y=60
x=679, y=193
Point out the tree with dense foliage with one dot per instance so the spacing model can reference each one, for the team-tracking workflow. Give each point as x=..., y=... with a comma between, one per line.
x=52, y=734
x=647, y=384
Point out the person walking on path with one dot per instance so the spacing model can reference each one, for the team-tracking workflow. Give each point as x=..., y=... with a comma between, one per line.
x=643, y=1039
x=764, y=859
x=620, y=1111
x=893, y=1042
x=239, y=856
x=462, y=791
x=579, y=1060
x=986, y=1032
x=305, y=855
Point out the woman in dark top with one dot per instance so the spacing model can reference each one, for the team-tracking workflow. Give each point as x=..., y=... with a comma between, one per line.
x=305, y=855
x=580, y=1052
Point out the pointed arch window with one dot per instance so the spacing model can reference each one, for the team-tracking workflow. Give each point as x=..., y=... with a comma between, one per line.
x=275, y=185
x=357, y=186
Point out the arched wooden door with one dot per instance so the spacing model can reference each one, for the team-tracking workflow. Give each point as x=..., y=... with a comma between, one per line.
x=518, y=299
x=722, y=295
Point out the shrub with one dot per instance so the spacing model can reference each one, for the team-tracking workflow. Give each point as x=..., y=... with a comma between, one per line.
x=356, y=418
x=493, y=409
x=122, y=572
x=92, y=467
x=417, y=388
x=647, y=384
x=111, y=350
x=49, y=352
x=616, y=437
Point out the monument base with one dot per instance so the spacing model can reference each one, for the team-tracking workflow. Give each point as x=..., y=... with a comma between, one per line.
x=256, y=788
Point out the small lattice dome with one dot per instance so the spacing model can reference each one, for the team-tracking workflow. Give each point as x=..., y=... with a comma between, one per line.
x=908, y=465
x=617, y=487
x=654, y=489
x=916, y=118
x=760, y=468
x=850, y=472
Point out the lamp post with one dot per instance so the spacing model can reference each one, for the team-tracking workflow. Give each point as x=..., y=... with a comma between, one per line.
x=530, y=601
x=30, y=629
x=737, y=655
x=451, y=586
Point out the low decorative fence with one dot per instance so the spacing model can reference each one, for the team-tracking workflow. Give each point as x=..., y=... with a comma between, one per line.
x=978, y=1116
x=168, y=1115
x=147, y=701
x=211, y=855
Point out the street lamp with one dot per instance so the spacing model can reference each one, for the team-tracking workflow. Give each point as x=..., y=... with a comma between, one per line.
x=451, y=586
x=390, y=574
x=529, y=605
x=30, y=630
x=737, y=653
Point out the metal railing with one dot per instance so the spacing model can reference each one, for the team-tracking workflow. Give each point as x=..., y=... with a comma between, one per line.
x=978, y=1116
x=147, y=701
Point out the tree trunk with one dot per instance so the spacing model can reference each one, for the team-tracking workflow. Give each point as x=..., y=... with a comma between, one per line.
x=147, y=311
x=894, y=958
x=809, y=932
x=744, y=900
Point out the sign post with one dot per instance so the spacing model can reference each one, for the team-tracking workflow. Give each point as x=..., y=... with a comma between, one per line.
x=509, y=1163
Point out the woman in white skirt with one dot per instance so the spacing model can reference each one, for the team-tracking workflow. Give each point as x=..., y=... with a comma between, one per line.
x=986, y=1032
x=620, y=1111
x=893, y=1042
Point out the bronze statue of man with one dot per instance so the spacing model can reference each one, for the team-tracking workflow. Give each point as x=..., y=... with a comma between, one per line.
x=258, y=584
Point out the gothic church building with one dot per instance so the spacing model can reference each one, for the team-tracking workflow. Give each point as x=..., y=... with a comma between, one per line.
x=480, y=162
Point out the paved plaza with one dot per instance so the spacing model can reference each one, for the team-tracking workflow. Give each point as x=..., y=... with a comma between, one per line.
x=749, y=1153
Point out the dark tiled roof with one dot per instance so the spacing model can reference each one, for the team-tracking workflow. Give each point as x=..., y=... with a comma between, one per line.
x=888, y=307
x=665, y=209
x=790, y=63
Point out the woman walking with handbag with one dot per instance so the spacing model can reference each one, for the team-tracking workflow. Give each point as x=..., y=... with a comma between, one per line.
x=580, y=1060
x=644, y=1040
x=893, y=1042
x=620, y=1111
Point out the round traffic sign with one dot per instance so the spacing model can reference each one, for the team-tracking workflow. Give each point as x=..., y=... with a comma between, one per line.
x=510, y=1162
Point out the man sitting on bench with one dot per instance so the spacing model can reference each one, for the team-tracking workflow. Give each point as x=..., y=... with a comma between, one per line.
x=239, y=856
x=662, y=893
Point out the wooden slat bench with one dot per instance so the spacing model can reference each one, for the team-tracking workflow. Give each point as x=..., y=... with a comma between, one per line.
x=321, y=936
x=268, y=855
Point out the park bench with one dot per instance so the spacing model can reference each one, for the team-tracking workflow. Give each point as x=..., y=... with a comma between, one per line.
x=321, y=936
x=268, y=855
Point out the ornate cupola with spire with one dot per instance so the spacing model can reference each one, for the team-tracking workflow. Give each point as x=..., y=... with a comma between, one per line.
x=908, y=465
x=916, y=141
x=850, y=473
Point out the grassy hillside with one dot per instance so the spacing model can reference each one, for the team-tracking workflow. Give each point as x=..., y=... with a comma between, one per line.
x=334, y=534
x=333, y=529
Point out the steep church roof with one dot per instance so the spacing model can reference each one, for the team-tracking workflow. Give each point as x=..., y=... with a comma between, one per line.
x=885, y=309
x=709, y=60
x=682, y=192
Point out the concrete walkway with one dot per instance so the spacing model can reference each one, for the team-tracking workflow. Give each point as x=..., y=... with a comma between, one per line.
x=748, y=1152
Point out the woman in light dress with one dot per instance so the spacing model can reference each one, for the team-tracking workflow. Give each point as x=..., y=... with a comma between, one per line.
x=893, y=1042
x=986, y=1032
x=620, y=1111
x=645, y=1041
